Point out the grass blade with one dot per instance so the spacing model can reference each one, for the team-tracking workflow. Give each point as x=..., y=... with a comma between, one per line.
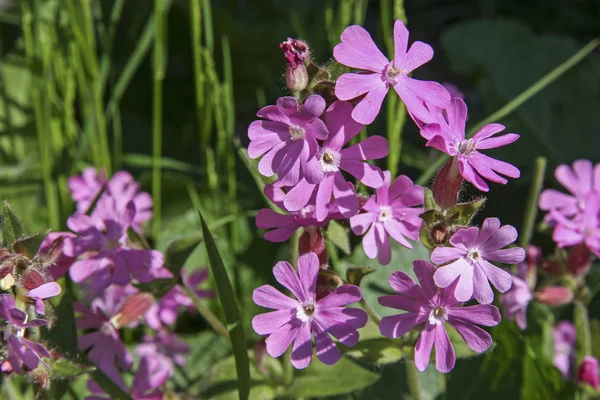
x=230, y=308
x=537, y=184
x=516, y=103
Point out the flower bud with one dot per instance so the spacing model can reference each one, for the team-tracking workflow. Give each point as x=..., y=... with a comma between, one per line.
x=327, y=282
x=579, y=261
x=260, y=352
x=296, y=55
x=296, y=78
x=588, y=372
x=439, y=234
x=533, y=255
x=6, y=367
x=134, y=307
x=447, y=184
x=312, y=241
x=554, y=295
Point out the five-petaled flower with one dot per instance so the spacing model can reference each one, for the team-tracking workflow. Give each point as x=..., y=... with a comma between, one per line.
x=430, y=308
x=583, y=228
x=394, y=211
x=448, y=136
x=296, y=320
x=357, y=50
x=468, y=260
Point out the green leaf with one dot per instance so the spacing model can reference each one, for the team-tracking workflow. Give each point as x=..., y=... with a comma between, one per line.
x=356, y=275
x=582, y=324
x=319, y=380
x=430, y=203
x=338, y=236
x=29, y=246
x=230, y=308
x=463, y=213
x=64, y=334
x=260, y=180
x=138, y=239
x=63, y=368
x=12, y=228
x=109, y=386
x=378, y=351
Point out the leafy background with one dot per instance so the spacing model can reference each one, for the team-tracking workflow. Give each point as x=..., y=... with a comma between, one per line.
x=78, y=82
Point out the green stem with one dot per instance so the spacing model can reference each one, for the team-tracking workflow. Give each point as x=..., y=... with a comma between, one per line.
x=532, y=201
x=157, y=112
x=295, y=248
x=288, y=368
x=515, y=103
x=211, y=318
x=370, y=312
x=412, y=376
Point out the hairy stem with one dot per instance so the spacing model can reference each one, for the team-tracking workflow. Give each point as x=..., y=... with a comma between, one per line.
x=532, y=201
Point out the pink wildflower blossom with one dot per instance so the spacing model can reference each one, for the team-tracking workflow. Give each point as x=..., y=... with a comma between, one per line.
x=334, y=159
x=579, y=180
x=357, y=50
x=583, y=228
x=516, y=299
x=468, y=260
x=564, y=334
x=448, y=136
x=296, y=320
x=394, y=211
x=432, y=309
x=588, y=372
x=86, y=188
x=287, y=136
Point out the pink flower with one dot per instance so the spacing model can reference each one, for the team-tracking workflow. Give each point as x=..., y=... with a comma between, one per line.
x=583, y=228
x=453, y=90
x=564, y=334
x=580, y=180
x=448, y=136
x=357, y=50
x=165, y=344
x=516, y=299
x=468, y=260
x=431, y=309
x=103, y=243
x=38, y=288
x=333, y=159
x=284, y=225
x=394, y=211
x=288, y=139
x=296, y=320
x=86, y=188
x=51, y=254
x=123, y=188
x=588, y=372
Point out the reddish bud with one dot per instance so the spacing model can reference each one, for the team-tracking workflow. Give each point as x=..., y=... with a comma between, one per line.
x=580, y=260
x=31, y=278
x=362, y=200
x=312, y=241
x=134, y=307
x=40, y=377
x=554, y=295
x=295, y=51
x=327, y=282
x=588, y=372
x=296, y=78
x=439, y=234
x=6, y=367
x=447, y=184
x=552, y=267
x=533, y=255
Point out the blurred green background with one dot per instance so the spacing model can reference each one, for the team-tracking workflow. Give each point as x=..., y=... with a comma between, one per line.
x=167, y=89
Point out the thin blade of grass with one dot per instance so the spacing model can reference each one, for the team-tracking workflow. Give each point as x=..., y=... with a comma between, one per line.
x=226, y=296
x=515, y=103
x=537, y=184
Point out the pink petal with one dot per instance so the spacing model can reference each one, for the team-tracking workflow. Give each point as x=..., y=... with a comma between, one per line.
x=313, y=108
x=446, y=275
x=345, y=294
x=274, y=113
x=470, y=175
x=372, y=148
x=430, y=92
x=487, y=131
x=464, y=238
x=369, y=243
x=298, y=196
x=354, y=317
x=484, y=170
x=350, y=86
x=345, y=198
x=327, y=352
x=361, y=222
x=403, y=303
x=419, y=53
x=424, y=271
x=500, y=167
x=323, y=199
x=269, y=297
x=396, y=230
x=482, y=292
x=384, y=255
x=269, y=164
x=264, y=135
x=368, y=174
x=308, y=268
x=284, y=274
x=267, y=219
x=497, y=141
x=476, y=338
x=397, y=325
x=400, y=40
x=442, y=255
x=504, y=236
x=358, y=50
x=340, y=124
x=282, y=234
x=513, y=255
x=423, y=347
x=553, y=199
x=289, y=170
x=481, y=314
x=279, y=341
x=344, y=333
x=457, y=118
x=267, y=323
x=404, y=284
x=444, y=352
x=501, y=279
x=302, y=351
x=45, y=291
x=80, y=223
x=287, y=105
x=368, y=108
x=489, y=228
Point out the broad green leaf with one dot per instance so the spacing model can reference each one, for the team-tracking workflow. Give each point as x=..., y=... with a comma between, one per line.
x=394, y=384
x=137, y=239
x=111, y=388
x=356, y=275
x=178, y=251
x=231, y=311
x=319, y=380
x=463, y=213
x=582, y=324
x=338, y=235
x=378, y=351
x=29, y=246
x=63, y=368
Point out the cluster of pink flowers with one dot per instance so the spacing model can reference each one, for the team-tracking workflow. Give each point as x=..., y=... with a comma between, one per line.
x=311, y=146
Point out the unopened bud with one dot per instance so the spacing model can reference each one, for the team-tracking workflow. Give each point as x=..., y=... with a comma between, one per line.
x=40, y=377
x=439, y=234
x=580, y=260
x=533, y=255
x=312, y=241
x=260, y=352
x=447, y=184
x=6, y=367
x=554, y=295
x=296, y=51
x=588, y=372
x=31, y=279
x=296, y=78
x=362, y=199
x=327, y=282
x=134, y=307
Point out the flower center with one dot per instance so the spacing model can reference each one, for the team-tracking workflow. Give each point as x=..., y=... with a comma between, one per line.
x=466, y=146
x=107, y=329
x=296, y=132
x=305, y=312
x=385, y=213
x=474, y=255
x=438, y=316
x=111, y=244
x=393, y=74
x=330, y=160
